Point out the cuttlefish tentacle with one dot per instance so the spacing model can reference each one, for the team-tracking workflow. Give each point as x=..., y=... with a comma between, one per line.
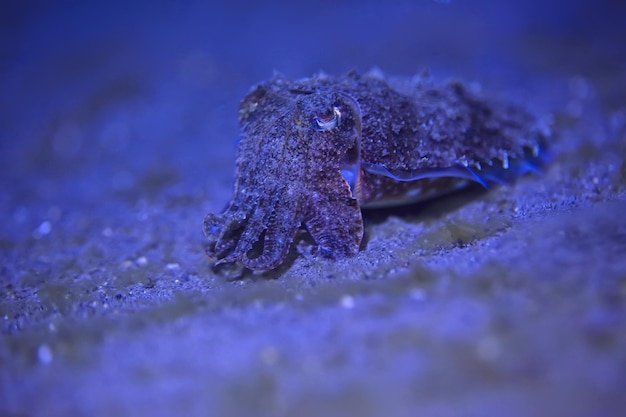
x=282, y=227
x=214, y=230
x=223, y=230
x=249, y=236
x=249, y=226
x=334, y=219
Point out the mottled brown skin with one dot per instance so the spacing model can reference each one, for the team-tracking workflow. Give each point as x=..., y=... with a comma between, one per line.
x=298, y=136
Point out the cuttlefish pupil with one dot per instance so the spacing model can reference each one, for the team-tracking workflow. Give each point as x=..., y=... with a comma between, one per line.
x=328, y=122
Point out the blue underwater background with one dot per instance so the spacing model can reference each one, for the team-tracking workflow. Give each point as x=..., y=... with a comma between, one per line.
x=118, y=133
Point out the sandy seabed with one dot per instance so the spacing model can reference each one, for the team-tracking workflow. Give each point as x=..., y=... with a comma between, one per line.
x=119, y=133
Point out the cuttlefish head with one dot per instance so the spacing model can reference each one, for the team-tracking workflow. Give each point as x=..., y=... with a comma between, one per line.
x=298, y=164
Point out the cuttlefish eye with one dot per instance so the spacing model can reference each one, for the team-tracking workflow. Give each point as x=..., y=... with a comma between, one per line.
x=327, y=122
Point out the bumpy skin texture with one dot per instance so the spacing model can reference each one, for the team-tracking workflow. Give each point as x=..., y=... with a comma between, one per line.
x=314, y=151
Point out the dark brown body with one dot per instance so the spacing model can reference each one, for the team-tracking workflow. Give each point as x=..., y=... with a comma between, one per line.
x=314, y=151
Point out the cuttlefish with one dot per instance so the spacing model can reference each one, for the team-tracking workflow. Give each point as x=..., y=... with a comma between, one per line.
x=315, y=151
